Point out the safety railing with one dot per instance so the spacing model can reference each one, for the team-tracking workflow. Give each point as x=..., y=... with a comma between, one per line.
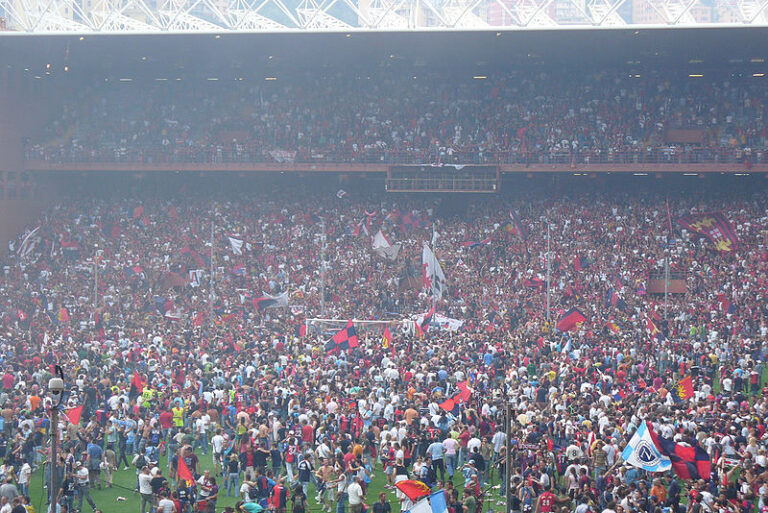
x=661, y=155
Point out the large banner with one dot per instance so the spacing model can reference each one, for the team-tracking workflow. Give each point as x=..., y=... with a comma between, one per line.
x=715, y=227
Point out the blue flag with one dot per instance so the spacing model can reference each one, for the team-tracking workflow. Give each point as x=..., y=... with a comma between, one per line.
x=641, y=452
x=437, y=501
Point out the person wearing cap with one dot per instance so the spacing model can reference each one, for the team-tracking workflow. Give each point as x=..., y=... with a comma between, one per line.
x=83, y=487
x=145, y=489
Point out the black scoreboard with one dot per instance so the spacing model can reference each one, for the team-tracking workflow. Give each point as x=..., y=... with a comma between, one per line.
x=456, y=178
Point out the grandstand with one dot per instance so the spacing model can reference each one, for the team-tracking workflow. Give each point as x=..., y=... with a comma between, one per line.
x=58, y=71
x=560, y=201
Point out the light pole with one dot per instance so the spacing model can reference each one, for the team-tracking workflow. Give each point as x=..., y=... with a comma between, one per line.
x=666, y=278
x=210, y=288
x=56, y=390
x=549, y=268
x=96, y=277
x=322, y=268
x=508, y=454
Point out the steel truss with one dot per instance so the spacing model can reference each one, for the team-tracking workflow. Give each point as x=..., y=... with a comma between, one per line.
x=220, y=16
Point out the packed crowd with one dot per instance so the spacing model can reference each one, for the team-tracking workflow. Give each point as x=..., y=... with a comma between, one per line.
x=255, y=406
x=510, y=118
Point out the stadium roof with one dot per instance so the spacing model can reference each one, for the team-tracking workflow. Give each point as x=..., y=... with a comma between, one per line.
x=205, y=16
x=229, y=56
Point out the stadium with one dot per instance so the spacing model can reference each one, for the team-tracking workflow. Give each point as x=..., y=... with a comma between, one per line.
x=379, y=255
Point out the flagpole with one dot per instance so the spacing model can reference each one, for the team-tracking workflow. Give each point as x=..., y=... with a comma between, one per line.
x=508, y=454
x=96, y=278
x=666, y=278
x=548, y=272
x=210, y=292
x=322, y=269
x=666, y=259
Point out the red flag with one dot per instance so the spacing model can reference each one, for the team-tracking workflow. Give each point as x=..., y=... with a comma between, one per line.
x=138, y=212
x=63, y=315
x=570, y=319
x=464, y=391
x=412, y=489
x=346, y=338
x=685, y=388
x=184, y=473
x=689, y=463
x=386, y=341
x=448, y=405
x=137, y=382
x=713, y=226
x=74, y=414
x=198, y=320
x=173, y=213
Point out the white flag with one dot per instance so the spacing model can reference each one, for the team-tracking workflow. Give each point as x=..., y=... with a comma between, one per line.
x=237, y=245
x=29, y=243
x=195, y=276
x=433, y=277
x=447, y=323
x=642, y=453
x=270, y=301
x=382, y=247
x=421, y=507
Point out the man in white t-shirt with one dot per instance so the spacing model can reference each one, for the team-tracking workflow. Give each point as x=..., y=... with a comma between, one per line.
x=145, y=490
x=83, y=487
x=201, y=434
x=24, y=474
x=217, y=444
x=610, y=451
x=355, y=493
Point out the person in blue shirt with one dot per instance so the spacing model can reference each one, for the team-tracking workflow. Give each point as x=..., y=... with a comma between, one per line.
x=248, y=507
x=436, y=451
x=632, y=476
x=93, y=462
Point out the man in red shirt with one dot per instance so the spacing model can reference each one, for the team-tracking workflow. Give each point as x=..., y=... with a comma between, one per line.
x=307, y=433
x=547, y=501
x=279, y=497
x=8, y=380
x=464, y=437
x=166, y=421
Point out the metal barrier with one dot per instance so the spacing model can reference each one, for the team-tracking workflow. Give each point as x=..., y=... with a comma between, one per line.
x=251, y=154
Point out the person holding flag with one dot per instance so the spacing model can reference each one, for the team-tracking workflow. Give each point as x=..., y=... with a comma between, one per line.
x=642, y=452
